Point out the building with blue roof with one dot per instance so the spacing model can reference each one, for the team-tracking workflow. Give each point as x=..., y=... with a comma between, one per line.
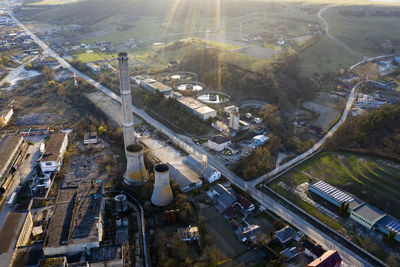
x=388, y=224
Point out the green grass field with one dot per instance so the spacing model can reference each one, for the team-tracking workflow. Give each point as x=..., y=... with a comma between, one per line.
x=376, y=181
x=364, y=34
x=94, y=56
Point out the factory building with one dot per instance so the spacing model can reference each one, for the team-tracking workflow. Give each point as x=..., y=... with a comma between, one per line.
x=197, y=108
x=77, y=222
x=155, y=86
x=366, y=215
x=361, y=212
x=93, y=67
x=218, y=143
x=10, y=152
x=186, y=178
x=388, y=224
x=55, y=148
x=333, y=195
x=205, y=172
x=5, y=116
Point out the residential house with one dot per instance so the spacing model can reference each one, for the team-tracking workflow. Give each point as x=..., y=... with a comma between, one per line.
x=223, y=197
x=331, y=258
x=210, y=174
x=312, y=250
x=290, y=253
x=285, y=235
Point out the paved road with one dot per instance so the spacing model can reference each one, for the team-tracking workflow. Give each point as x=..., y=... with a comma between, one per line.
x=349, y=257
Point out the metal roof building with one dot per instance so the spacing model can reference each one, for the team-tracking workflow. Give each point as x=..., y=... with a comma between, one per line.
x=333, y=195
x=9, y=148
x=388, y=224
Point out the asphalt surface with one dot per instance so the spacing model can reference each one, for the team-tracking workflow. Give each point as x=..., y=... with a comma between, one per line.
x=351, y=255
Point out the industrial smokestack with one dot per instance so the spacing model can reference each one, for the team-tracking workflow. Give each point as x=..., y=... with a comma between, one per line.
x=162, y=193
x=136, y=173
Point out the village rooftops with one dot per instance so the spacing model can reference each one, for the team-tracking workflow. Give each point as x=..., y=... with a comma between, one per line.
x=53, y=147
x=285, y=235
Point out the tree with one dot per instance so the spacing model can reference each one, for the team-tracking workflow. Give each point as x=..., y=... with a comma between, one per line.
x=101, y=130
x=61, y=92
x=52, y=83
x=47, y=73
x=392, y=261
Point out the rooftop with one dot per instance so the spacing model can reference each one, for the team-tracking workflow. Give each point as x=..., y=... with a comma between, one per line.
x=205, y=110
x=328, y=259
x=316, y=250
x=224, y=195
x=285, y=234
x=390, y=224
x=368, y=212
x=53, y=147
x=8, y=147
x=218, y=139
x=208, y=172
x=75, y=215
x=332, y=192
x=191, y=102
x=183, y=175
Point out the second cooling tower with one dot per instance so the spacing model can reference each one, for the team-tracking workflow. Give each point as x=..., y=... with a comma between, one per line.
x=162, y=193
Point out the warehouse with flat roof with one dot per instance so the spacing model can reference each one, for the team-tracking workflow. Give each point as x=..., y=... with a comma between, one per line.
x=366, y=215
x=334, y=195
x=155, y=86
x=197, y=108
x=77, y=221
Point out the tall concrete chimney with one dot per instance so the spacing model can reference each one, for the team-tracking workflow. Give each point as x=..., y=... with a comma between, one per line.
x=136, y=173
x=162, y=193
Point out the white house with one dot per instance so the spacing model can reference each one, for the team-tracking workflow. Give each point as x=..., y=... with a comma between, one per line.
x=55, y=148
x=211, y=174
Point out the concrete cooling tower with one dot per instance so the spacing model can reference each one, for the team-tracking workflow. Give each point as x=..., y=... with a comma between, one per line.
x=162, y=193
x=136, y=173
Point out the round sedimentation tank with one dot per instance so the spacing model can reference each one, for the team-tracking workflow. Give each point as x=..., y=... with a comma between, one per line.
x=214, y=98
x=136, y=173
x=162, y=193
x=121, y=203
x=189, y=86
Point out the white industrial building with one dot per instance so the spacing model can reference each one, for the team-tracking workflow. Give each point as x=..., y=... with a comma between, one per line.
x=155, y=86
x=218, y=143
x=198, y=108
x=55, y=148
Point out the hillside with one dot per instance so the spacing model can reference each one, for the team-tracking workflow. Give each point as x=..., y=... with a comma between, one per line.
x=377, y=132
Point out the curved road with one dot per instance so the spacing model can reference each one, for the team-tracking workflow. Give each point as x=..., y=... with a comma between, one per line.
x=333, y=38
x=349, y=256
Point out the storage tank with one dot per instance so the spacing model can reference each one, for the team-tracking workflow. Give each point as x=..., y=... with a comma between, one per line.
x=162, y=193
x=121, y=203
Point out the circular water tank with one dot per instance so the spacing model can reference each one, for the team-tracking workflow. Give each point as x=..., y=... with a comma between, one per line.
x=121, y=203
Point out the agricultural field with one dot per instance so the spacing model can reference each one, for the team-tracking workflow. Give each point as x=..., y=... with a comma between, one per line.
x=93, y=56
x=368, y=30
x=374, y=180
